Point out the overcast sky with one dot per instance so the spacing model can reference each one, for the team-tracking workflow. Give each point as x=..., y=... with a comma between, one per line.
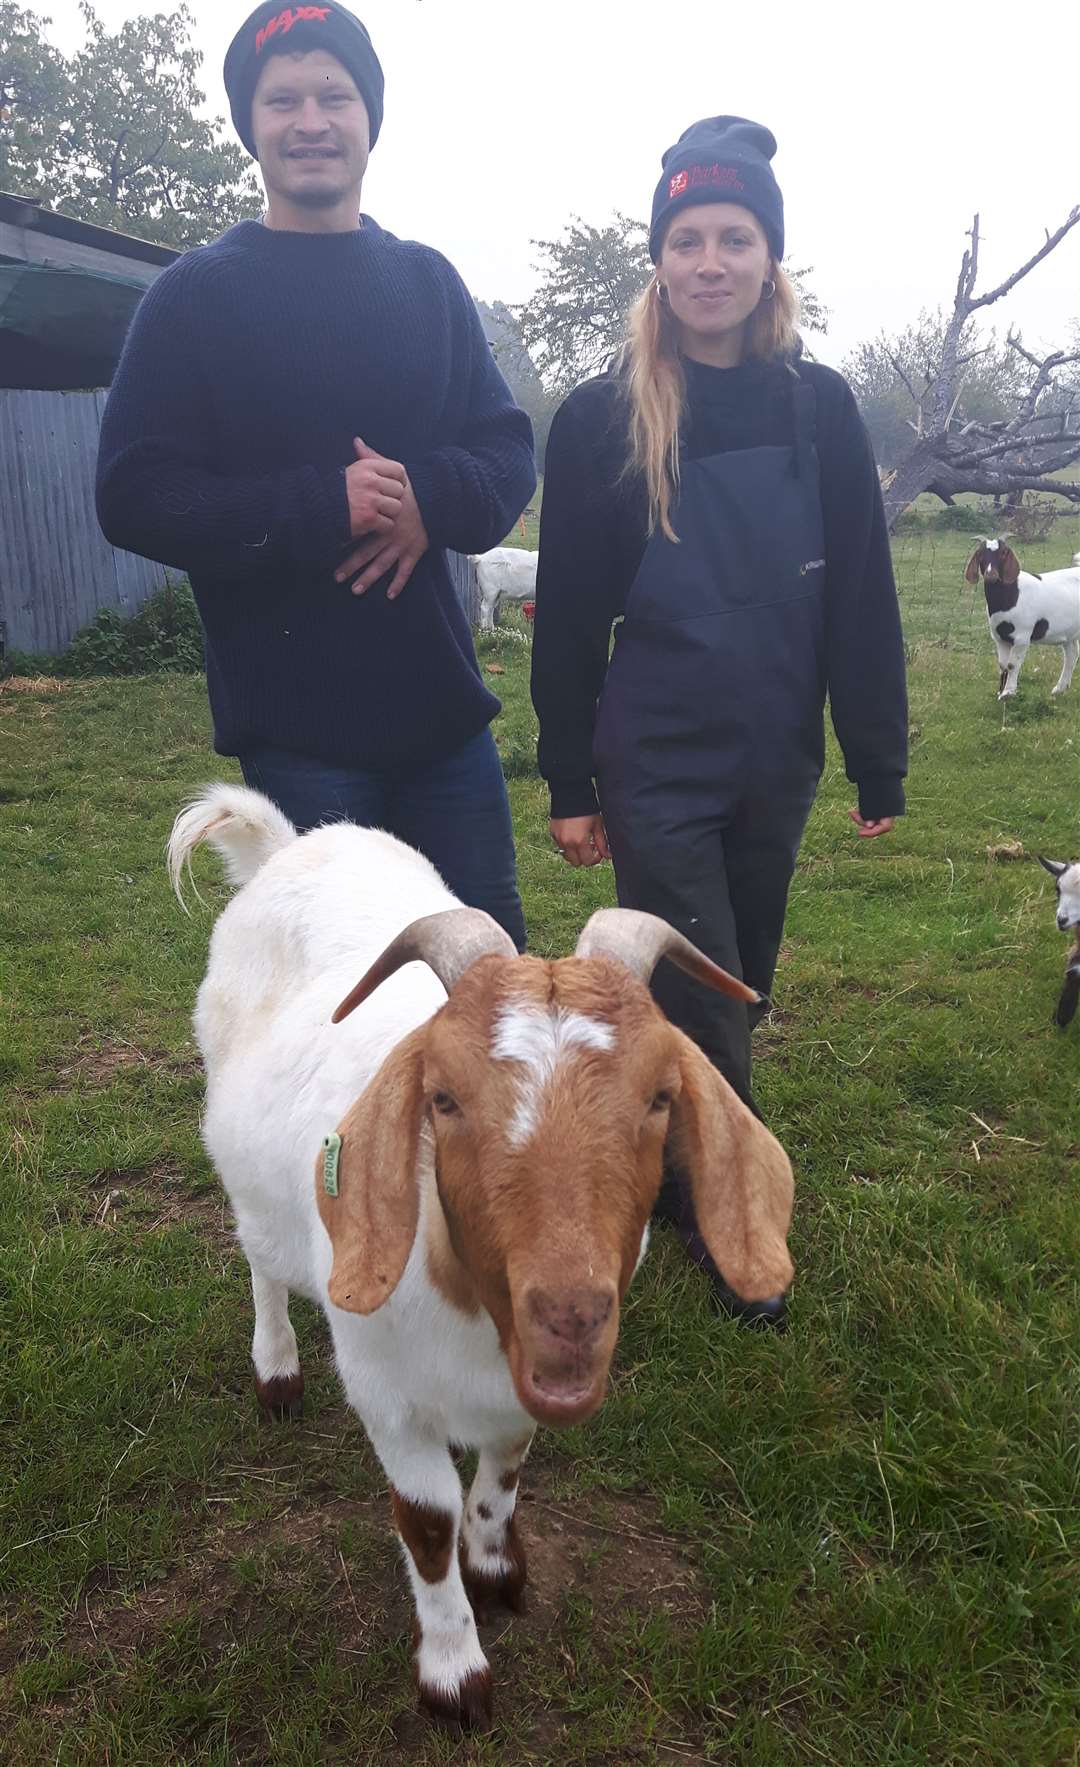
x=895, y=124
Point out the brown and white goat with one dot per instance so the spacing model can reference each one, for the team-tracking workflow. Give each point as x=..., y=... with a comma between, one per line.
x=495, y=1128
x=1024, y=608
x=1066, y=876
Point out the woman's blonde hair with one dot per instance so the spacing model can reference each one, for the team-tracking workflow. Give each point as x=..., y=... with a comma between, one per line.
x=656, y=386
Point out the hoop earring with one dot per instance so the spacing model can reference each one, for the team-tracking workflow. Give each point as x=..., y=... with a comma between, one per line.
x=661, y=293
x=768, y=289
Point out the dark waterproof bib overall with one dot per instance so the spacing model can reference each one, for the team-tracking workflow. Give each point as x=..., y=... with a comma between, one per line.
x=710, y=731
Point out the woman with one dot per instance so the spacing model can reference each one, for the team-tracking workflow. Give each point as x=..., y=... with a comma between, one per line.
x=720, y=494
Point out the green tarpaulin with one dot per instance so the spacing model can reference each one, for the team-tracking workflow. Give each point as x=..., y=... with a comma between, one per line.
x=62, y=328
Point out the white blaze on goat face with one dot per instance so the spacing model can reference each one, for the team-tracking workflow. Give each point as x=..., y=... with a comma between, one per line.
x=539, y=1038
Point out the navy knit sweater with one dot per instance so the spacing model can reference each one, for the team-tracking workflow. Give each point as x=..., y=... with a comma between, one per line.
x=250, y=366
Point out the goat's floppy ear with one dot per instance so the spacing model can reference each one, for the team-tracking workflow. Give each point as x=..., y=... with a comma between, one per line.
x=367, y=1188
x=971, y=573
x=1053, y=866
x=740, y=1179
x=1009, y=566
x=739, y=1175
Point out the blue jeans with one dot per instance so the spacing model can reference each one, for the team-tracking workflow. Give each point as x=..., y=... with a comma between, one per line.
x=454, y=810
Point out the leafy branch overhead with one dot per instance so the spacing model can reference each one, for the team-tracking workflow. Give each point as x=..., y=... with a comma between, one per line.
x=114, y=133
x=589, y=279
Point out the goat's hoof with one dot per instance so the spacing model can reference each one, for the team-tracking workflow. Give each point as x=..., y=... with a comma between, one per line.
x=489, y=1593
x=281, y=1399
x=490, y=1590
x=469, y=1705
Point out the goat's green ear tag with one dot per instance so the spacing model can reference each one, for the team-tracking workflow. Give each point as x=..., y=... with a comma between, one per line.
x=330, y=1155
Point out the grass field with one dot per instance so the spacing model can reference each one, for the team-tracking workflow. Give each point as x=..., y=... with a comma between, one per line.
x=856, y=1544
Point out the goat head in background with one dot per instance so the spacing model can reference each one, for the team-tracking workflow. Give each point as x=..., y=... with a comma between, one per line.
x=1066, y=876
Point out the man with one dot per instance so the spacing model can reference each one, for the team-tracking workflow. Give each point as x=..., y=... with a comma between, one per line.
x=305, y=415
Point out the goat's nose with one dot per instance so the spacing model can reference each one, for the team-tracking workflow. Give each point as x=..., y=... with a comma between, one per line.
x=574, y=1317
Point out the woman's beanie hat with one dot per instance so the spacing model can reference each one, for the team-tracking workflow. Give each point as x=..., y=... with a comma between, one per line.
x=274, y=29
x=720, y=159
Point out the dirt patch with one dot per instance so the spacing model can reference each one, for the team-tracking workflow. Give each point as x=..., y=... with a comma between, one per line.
x=154, y=1196
x=612, y=1549
x=95, y=1062
x=218, y=1582
x=616, y=1555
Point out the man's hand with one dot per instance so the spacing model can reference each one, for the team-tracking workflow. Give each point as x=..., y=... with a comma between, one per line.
x=375, y=489
x=400, y=542
x=580, y=839
x=869, y=831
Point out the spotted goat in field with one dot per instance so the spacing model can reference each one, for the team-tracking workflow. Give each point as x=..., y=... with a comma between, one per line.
x=1066, y=876
x=456, y=1158
x=1024, y=608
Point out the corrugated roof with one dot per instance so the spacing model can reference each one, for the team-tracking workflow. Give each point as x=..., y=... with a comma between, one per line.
x=26, y=211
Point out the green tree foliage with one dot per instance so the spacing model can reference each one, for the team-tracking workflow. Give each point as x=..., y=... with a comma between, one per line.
x=895, y=381
x=589, y=280
x=114, y=133
x=34, y=87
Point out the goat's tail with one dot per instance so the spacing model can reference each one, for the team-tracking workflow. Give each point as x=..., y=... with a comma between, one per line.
x=246, y=828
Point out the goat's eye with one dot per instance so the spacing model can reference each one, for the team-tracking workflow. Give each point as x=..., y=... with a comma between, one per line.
x=661, y=1101
x=444, y=1104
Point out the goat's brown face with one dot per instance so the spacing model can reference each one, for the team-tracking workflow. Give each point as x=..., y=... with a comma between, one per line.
x=995, y=563
x=551, y=1090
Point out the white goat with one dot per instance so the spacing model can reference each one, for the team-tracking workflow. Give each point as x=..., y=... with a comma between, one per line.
x=1067, y=878
x=1024, y=608
x=505, y=571
x=461, y=1174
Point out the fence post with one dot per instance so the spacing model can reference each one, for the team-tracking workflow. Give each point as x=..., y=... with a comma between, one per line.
x=466, y=588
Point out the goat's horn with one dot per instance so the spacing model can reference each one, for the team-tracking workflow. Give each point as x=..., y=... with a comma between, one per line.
x=640, y=940
x=449, y=943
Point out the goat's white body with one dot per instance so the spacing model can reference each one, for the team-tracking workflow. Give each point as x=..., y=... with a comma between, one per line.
x=1055, y=598
x=505, y=571
x=280, y=1076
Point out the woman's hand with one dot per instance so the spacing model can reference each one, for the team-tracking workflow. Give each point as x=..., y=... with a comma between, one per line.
x=869, y=831
x=580, y=839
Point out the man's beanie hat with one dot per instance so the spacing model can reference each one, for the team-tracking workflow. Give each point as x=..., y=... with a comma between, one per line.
x=720, y=159
x=275, y=29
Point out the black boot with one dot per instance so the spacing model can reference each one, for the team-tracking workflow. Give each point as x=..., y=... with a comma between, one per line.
x=668, y=1206
x=674, y=1205
x=770, y=1315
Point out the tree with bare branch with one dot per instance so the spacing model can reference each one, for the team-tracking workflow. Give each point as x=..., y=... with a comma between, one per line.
x=893, y=379
x=1006, y=457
